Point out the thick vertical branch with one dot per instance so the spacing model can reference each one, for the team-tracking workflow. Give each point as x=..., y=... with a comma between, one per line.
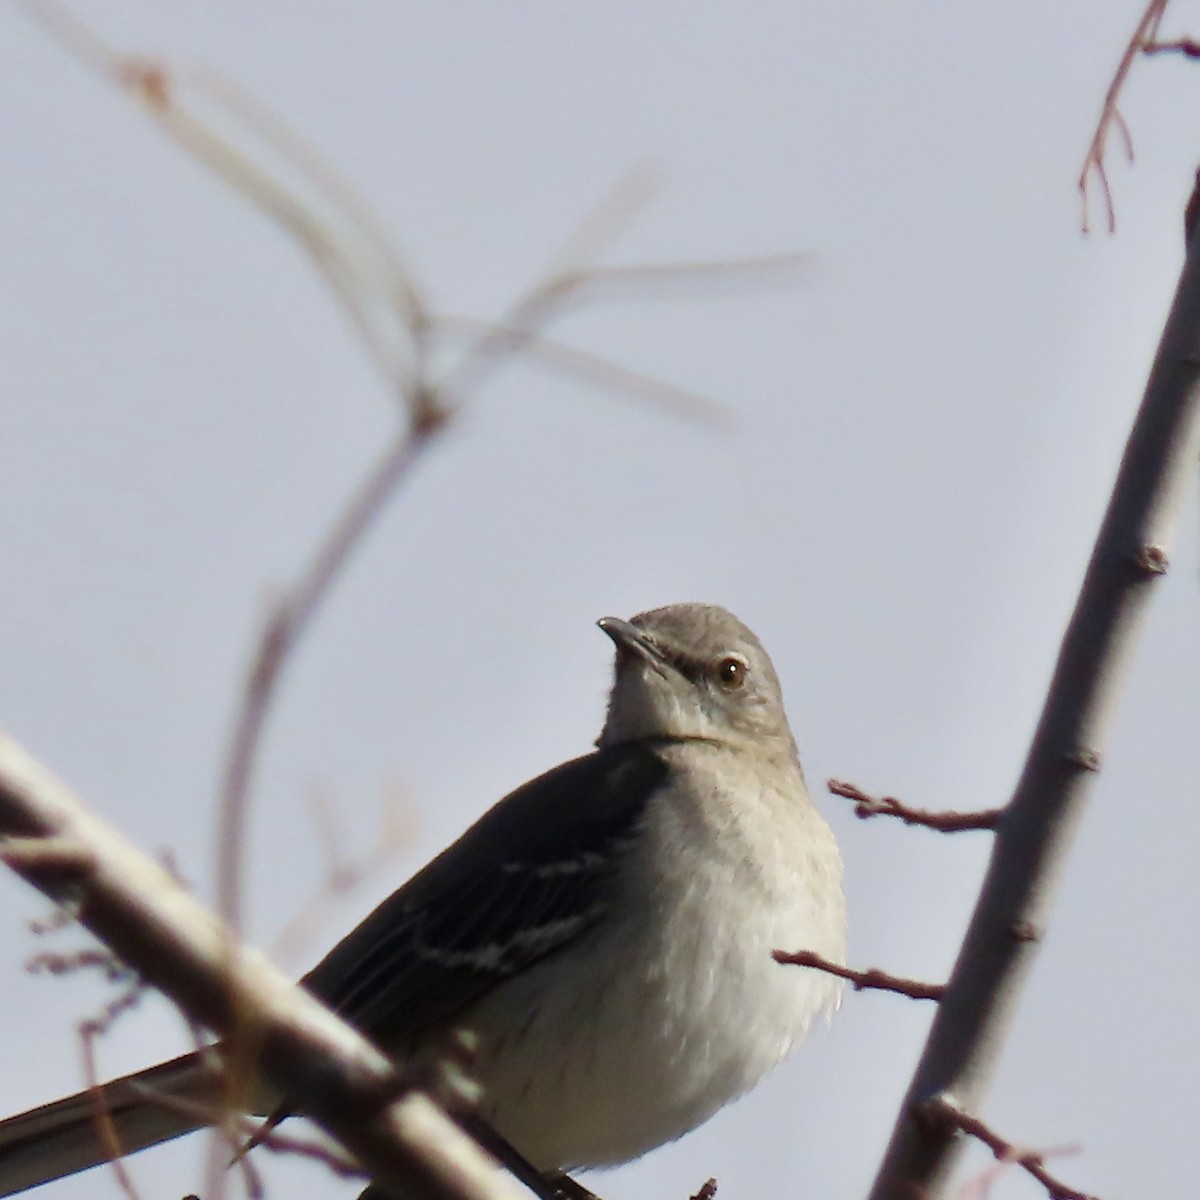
x=1035, y=831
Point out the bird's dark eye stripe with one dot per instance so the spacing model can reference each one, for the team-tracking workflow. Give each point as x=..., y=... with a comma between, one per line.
x=693, y=668
x=685, y=664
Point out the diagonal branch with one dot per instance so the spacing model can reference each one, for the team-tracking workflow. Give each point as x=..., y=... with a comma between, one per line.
x=160, y=930
x=1013, y=909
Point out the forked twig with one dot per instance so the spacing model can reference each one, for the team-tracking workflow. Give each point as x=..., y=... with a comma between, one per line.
x=343, y=871
x=1110, y=115
x=938, y=1109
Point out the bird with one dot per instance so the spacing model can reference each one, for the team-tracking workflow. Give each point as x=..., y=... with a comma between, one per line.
x=603, y=934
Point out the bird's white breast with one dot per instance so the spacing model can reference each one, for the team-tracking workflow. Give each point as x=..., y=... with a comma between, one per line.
x=676, y=1005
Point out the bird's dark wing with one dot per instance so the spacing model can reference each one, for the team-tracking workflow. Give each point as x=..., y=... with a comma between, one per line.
x=526, y=880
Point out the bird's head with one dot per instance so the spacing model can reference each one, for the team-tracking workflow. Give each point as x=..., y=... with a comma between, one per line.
x=693, y=671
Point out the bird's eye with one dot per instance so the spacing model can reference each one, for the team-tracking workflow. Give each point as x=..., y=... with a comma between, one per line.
x=730, y=672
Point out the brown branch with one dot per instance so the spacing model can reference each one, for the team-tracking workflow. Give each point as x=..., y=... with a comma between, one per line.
x=1110, y=115
x=939, y=1110
x=1128, y=561
x=498, y=338
x=946, y=821
x=250, y=1128
x=1188, y=47
x=871, y=979
x=90, y=1031
x=54, y=963
x=305, y=1052
x=284, y=629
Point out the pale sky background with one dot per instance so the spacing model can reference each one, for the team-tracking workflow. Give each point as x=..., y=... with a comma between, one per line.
x=925, y=434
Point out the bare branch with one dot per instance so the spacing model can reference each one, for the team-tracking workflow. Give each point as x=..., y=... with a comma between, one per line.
x=947, y=821
x=328, y=1070
x=343, y=871
x=1032, y=842
x=498, y=339
x=939, y=1110
x=871, y=979
x=641, y=280
x=89, y=1031
x=249, y=1128
x=53, y=963
x=284, y=629
x=1188, y=47
x=1110, y=115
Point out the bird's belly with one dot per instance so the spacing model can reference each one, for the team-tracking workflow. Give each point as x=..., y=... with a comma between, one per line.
x=649, y=1044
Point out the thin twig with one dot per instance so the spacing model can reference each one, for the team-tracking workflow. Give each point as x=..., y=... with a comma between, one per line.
x=248, y=1127
x=945, y=821
x=939, y=1109
x=638, y=281
x=871, y=979
x=1188, y=47
x=343, y=871
x=90, y=1031
x=499, y=340
x=285, y=627
x=52, y=962
x=1093, y=162
x=63, y=914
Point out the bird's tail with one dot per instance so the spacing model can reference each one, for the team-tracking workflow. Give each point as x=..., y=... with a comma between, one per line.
x=145, y=1108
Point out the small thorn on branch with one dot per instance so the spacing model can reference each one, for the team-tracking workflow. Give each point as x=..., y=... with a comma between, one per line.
x=870, y=980
x=940, y=1109
x=947, y=821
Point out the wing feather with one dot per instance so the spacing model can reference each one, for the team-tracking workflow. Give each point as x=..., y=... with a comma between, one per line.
x=527, y=879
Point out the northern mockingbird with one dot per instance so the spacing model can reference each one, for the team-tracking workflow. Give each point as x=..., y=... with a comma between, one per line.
x=605, y=931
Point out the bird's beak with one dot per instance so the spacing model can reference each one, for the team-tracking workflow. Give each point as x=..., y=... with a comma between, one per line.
x=631, y=640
